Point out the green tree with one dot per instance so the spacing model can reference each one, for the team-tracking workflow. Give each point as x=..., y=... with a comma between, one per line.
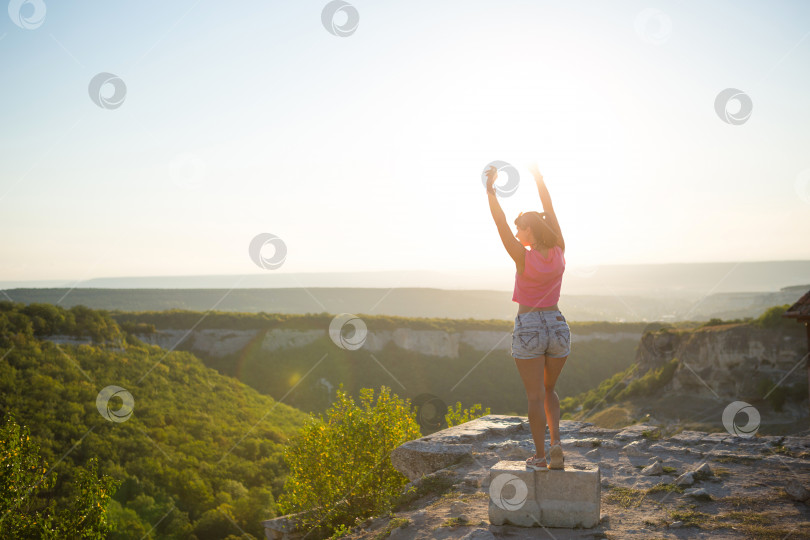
x=340, y=468
x=169, y=455
x=24, y=475
x=459, y=416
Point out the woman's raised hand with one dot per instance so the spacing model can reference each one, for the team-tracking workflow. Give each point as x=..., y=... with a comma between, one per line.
x=492, y=175
x=535, y=171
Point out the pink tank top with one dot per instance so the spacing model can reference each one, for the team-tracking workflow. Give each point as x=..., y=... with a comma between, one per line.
x=539, y=284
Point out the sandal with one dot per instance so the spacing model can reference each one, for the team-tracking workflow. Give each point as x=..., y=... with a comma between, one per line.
x=557, y=459
x=537, y=463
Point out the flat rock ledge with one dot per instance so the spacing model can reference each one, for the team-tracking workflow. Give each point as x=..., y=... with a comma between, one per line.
x=430, y=453
x=510, y=438
x=638, y=456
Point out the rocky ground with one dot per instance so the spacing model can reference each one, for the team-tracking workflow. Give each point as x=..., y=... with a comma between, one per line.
x=654, y=484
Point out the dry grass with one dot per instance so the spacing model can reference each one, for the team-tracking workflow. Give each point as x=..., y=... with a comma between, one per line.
x=625, y=497
x=689, y=516
x=614, y=417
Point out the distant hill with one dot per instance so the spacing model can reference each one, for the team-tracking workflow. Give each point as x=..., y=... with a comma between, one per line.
x=417, y=302
x=685, y=280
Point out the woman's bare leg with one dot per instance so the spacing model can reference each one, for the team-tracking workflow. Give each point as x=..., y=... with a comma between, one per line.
x=552, y=408
x=531, y=372
x=553, y=367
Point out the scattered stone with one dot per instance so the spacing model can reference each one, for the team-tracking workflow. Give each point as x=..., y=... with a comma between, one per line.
x=635, y=432
x=704, y=471
x=458, y=508
x=475, y=478
x=604, y=518
x=653, y=469
x=655, y=458
x=796, y=490
x=593, y=454
x=419, y=515
x=635, y=448
x=698, y=493
x=403, y=532
x=686, y=479
x=675, y=524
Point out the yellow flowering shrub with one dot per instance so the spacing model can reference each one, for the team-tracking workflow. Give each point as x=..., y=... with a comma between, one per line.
x=340, y=466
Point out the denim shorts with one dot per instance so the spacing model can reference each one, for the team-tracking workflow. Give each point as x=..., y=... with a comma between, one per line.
x=539, y=333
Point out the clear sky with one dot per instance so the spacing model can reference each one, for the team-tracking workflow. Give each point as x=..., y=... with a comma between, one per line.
x=365, y=151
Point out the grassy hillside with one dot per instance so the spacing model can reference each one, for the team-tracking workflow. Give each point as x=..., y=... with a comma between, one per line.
x=200, y=455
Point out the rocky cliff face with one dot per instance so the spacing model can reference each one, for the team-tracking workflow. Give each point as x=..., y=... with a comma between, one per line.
x=217, y=343
x=725, y=361
x=211, y=342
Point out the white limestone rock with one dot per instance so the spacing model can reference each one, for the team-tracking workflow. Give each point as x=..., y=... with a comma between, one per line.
x=653, y=469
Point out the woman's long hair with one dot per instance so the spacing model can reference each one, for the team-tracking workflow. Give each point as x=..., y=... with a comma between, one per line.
x=542, y=231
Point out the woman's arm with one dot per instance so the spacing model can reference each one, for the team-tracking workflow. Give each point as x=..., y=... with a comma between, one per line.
x=512, y=245
x=545, y=199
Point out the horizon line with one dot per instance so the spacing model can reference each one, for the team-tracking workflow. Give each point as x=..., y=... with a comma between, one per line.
x=477, y=269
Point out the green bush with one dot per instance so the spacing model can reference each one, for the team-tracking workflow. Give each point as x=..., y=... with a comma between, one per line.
x=459, y=416
x=713, y=322
x=340, y=468
x=772, y=318
x=27, y=510
x=650, y=382
x=717, y=322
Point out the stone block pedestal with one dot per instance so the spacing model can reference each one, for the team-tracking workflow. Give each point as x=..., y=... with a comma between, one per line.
x=524, y=497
